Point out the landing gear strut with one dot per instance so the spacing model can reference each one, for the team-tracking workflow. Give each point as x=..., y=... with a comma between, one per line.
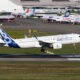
x=46, y=51
x=43, y=49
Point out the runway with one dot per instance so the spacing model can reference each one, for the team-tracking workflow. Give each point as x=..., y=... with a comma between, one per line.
x=39, y=59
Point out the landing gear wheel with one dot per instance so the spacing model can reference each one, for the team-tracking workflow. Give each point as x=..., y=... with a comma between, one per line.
x=43, y=50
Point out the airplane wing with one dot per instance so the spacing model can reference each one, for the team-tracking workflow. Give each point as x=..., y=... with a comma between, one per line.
x=44, y=44
x=54, y=45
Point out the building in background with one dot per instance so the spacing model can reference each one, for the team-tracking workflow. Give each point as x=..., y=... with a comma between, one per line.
x=57, y=5
x=47, y=3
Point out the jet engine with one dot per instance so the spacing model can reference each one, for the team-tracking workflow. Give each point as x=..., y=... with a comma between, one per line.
x=57, y=45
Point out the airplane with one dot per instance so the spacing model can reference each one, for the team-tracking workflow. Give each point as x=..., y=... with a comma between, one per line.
x=62, y=18
x=42, y=11
x=24, y=14
x=6, y=16
x=54, y=41
x=49, y=18
x=72, y=18
x=75, y=19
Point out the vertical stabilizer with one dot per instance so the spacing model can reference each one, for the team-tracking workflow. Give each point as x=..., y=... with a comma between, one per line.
x=27, y=10
x=7, y=39
x=67, y=13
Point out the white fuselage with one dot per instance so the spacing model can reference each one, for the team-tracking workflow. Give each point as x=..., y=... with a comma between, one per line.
x=62, y=39
x=71, y=18
x=6, y=17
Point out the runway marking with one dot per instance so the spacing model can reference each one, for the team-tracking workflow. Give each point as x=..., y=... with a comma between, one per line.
x=74, y=59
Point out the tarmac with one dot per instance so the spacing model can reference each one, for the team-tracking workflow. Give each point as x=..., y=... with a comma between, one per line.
x=39, y=25
x=39, y=59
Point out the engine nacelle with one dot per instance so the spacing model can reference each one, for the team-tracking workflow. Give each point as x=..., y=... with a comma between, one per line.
x=57, y=46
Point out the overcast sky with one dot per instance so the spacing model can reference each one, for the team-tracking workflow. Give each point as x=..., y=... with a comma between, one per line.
x=8, y=5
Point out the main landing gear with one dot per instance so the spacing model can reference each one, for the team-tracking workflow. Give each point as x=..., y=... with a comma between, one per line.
x=46, y=51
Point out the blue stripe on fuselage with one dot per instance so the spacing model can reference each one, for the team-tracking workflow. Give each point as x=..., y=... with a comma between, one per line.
x=14, y=45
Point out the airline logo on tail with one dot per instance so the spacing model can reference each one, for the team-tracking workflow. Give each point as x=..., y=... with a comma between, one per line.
x=67, y=13
x=4, y=36
x=30, y=12
x=34, y=10
x=27, y=10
